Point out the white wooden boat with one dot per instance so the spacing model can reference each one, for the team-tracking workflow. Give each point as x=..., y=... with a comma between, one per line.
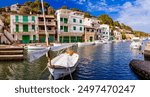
x=123, y=40
x=57, y=44
x=63, y=65
x=38, y=47
x=97, y=42
x=136, y=43
x=82, y=44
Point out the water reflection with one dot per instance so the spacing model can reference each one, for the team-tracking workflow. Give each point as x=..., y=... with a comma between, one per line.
x=109, y=61
x=99, y=62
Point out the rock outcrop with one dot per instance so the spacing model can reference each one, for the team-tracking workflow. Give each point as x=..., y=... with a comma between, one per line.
x=141, y=68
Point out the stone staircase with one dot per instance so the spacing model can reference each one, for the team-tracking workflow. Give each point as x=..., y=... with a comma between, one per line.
x=11, y=53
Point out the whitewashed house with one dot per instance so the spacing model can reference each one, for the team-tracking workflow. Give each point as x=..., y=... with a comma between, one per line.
x=15, y=7
x=117, y=35
x=91, y=29
x=105, y=31
x=70, y=26
x=24, y=28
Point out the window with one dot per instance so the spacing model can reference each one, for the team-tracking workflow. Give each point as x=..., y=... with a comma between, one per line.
x=25, y=28
x=65, y=20
x=74, y=20
x=17, y=18
x=49, y=28
x=74, y=28
x=33, y=18
x=17, y=28
x=81, y=21
x=61, y=27
x=80, y=28
x=49, y=20
x=61, y=19
x=33, y=27
x=65, y=28
x=25, y=18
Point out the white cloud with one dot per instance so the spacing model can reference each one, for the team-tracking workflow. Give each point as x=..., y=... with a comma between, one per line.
x=81, y=2
x=101, y=5
x=136, y=15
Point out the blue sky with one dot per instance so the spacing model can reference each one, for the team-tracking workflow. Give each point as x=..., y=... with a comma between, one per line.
x=135, y=13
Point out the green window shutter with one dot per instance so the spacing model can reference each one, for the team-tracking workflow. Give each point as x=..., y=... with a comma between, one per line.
x=33, y=18
x=65, y=28
x=34, y=38
x=73, y=39
x=17, y=28
x=91, y=39
x=42, y=39
x=74, y=20
x=74, y=28
x=61, y=27
x=61, y=19
x=25, y=39
x=81, y=21
x=25, y=28
x=79, y=39
x=60, y=39
x=65, y=20
x=80, y=28
x=66, y=39
x=25, y=19
x=51, y=38
x=33, y=27
x=17, y=18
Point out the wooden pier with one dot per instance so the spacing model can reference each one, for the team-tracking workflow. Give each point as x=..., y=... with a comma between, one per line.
x=11, y=53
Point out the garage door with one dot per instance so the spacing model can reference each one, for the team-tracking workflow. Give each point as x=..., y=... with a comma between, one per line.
x=51, y=38
x=25, y=39
x=42, y=39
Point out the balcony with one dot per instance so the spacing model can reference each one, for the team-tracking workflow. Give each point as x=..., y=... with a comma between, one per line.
x=49, y=32
x=23, y=22
x=47, y=23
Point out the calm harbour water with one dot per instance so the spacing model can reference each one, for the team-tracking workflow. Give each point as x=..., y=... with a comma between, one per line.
x=97, y=62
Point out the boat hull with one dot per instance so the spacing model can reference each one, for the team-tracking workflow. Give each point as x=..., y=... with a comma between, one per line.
x=63, y=65
x=85, y=44
x=35, y=47
x=61, y=72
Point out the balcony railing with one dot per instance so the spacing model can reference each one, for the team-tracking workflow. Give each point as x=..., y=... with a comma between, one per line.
x=49, y=31
x=47, y=23
x=25, y=22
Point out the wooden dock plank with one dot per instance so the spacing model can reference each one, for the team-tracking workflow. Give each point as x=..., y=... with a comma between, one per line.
x=11, y=48
x=11, y=57
x=11, y=52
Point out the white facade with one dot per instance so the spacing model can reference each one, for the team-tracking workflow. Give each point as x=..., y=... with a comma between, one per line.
x=15, y=7
x=70, y=24
x=105, y=31
x=117, y=35
x=75, y=21
x=91, y=22
x=20, y=26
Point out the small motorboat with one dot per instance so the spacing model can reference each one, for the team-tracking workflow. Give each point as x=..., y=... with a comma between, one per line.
x=98, y=42
x=37, y=47
x=63, y=65
x=82, y=44
x=136, y=43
